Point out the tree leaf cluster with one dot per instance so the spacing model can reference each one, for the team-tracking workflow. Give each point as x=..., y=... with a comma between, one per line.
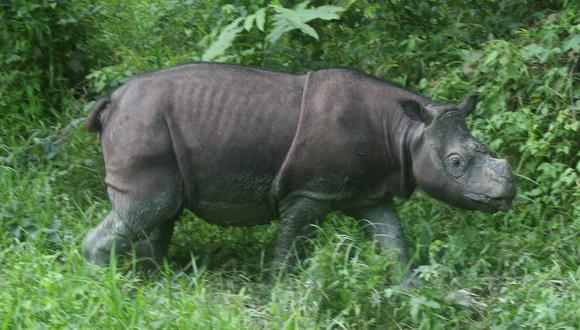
x=508, y=270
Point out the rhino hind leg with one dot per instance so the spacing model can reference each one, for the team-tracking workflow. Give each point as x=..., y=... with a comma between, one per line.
x=141, y=222
x=99, y=242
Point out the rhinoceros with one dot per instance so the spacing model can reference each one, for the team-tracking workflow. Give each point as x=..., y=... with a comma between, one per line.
x=241, y=146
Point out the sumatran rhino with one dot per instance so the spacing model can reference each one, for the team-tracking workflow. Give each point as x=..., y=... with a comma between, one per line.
x=241, y=146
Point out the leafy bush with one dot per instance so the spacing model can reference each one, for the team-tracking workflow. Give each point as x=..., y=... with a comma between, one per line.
x=283, y=20
x=45, y=51
x=510, y=270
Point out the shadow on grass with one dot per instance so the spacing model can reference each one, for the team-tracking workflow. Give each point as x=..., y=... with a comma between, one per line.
x=244, y=250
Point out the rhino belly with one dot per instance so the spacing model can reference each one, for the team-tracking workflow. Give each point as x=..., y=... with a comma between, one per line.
x=234, y=200
x=233, y=214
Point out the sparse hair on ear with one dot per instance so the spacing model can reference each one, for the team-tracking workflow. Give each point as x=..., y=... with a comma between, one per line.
x=468, y=104
x=416, y=111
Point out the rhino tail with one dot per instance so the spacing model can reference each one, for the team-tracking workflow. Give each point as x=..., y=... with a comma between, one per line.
x=93, y=121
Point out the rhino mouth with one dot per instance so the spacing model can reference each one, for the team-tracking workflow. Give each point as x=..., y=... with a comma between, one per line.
x=488, y=203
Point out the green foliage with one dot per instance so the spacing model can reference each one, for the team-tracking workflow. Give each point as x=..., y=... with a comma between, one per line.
x=286, y=20
x=41, y=59
x=283, y=21
x=510, y=270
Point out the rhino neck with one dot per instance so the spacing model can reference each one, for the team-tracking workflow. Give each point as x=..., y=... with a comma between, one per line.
x=400, y=132
x=407, y=181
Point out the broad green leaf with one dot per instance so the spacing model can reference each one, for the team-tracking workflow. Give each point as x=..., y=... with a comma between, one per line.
x=572, y=43
x=532, y=50
x=326, y=13
x=224, y=40
x=278, y=30
x=296, y=18
x=249, y=21
x=261, y=19
x=295, y=21
x=490, y=58
x=301, y=5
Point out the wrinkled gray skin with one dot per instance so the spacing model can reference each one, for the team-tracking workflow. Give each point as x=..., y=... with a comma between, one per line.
x=241, y=146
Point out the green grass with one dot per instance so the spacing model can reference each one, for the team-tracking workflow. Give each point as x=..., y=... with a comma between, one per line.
x=478, y=270
x=511, y=270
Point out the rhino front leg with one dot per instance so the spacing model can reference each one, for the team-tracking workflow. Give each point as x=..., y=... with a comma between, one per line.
x=382, y=224
x=298, y=218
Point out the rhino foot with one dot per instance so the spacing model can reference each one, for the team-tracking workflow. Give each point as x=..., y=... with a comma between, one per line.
x=100, y=241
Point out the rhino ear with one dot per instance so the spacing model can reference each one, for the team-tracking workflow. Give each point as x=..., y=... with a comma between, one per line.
x=468, y=104
x=417, y=111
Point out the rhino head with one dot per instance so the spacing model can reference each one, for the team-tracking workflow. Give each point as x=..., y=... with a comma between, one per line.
x=451, y=165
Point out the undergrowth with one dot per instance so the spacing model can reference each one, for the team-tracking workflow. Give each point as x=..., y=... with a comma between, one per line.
x=511, y=270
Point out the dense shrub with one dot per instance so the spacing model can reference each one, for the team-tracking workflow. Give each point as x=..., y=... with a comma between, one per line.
x=45, y=51
x=509, y=270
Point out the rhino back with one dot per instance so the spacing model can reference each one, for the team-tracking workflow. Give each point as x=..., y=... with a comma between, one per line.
x=230, y=129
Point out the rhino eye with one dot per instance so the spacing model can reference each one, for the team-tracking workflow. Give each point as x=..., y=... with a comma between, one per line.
x=455, y=165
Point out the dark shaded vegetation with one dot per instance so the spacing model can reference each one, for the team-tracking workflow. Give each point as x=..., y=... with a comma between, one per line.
x=508, y=270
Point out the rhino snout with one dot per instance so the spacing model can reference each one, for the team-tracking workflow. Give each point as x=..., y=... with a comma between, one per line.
x=494, y=190
x=501, y=184
x=502, y=168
